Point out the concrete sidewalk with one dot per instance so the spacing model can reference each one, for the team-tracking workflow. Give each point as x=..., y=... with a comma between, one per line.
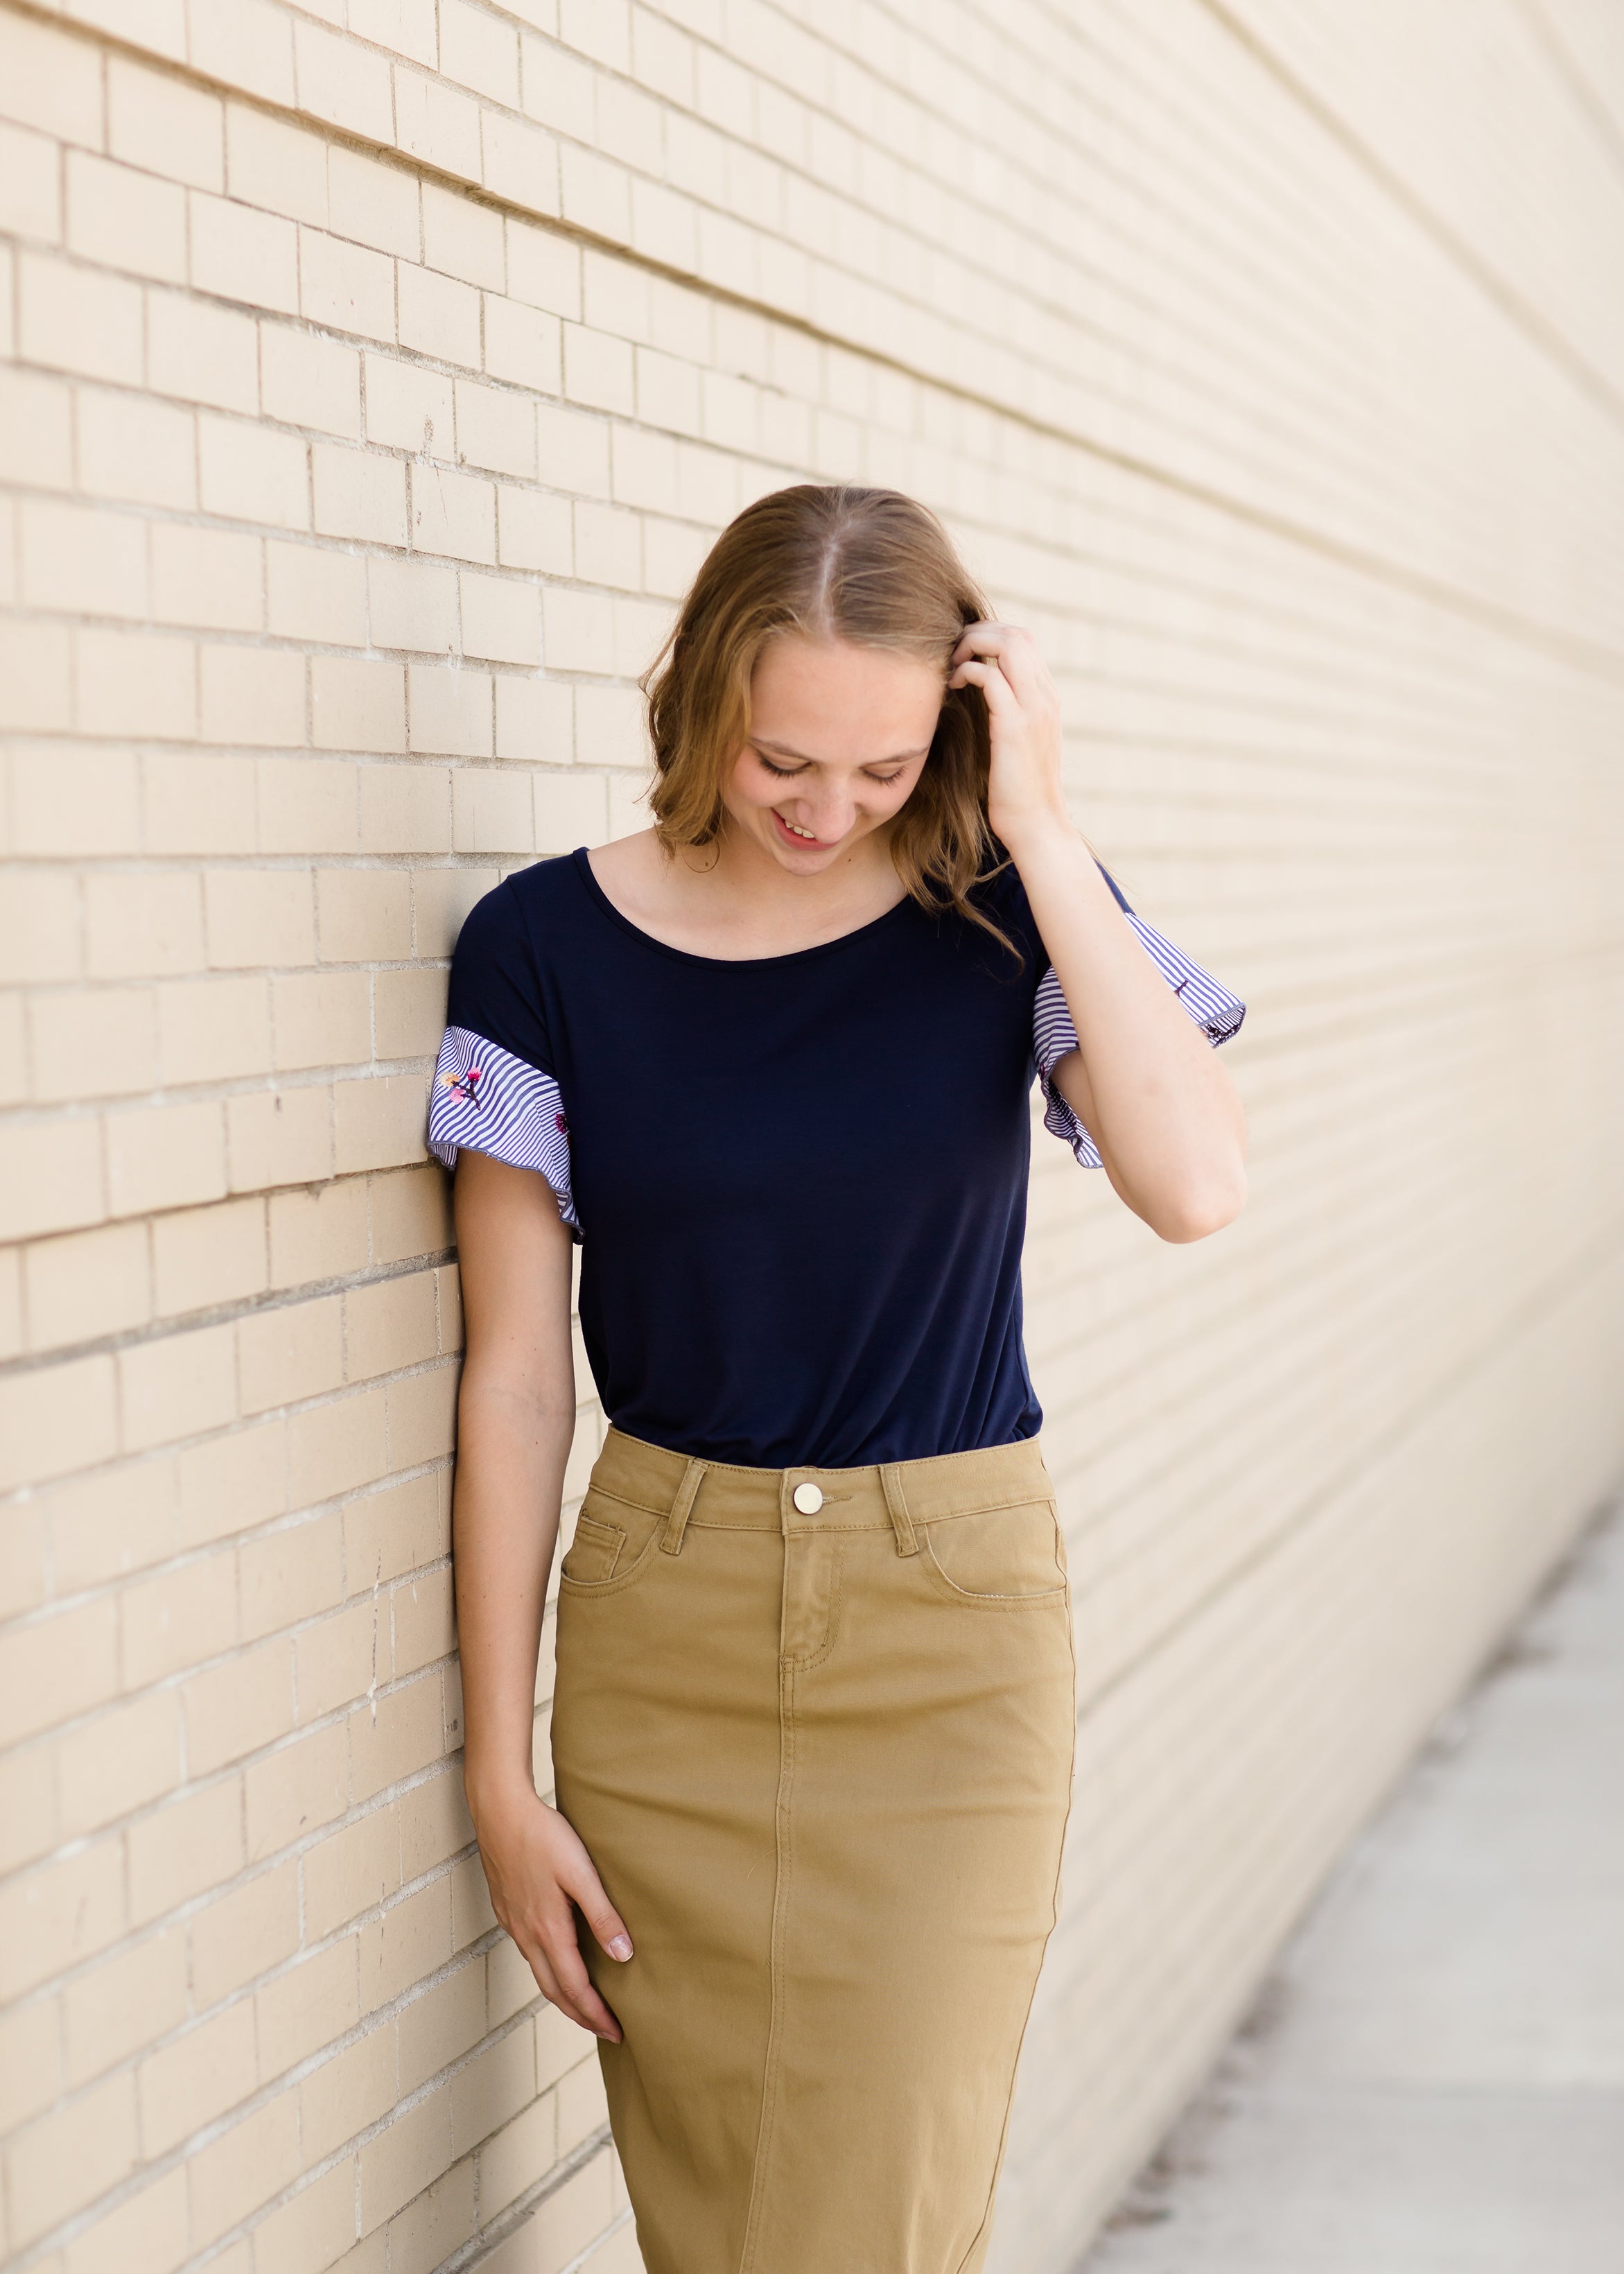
x=1433, y=2080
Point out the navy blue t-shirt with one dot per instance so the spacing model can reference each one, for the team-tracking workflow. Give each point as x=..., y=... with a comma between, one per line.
x=799, y=1181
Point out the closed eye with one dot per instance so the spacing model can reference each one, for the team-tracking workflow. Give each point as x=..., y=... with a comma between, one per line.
x=788, y=773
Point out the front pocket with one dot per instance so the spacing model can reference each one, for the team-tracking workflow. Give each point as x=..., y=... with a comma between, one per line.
x=1004, y=1558
x=594, y=1551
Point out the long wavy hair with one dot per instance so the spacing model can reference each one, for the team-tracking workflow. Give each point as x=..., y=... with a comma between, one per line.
x=832, y=563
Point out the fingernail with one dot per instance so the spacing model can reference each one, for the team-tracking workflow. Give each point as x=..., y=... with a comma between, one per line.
x=620, y=1947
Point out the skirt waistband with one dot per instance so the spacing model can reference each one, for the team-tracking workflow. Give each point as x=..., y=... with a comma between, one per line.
x=899, y=1494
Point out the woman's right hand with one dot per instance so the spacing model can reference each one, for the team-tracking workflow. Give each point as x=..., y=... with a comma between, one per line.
x=537, y=1868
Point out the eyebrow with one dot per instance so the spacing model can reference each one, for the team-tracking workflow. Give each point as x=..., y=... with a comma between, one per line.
x=781, y=750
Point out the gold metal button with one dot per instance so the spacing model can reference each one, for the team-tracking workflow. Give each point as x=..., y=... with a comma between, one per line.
x=807, y=1499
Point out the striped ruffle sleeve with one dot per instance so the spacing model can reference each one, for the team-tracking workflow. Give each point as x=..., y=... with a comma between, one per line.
x=489, y=1101
x=1215, y=1010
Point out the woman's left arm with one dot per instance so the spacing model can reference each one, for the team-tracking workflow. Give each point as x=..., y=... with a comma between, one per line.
x=1144, y=1080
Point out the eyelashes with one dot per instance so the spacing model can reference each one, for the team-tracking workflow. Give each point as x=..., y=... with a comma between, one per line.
x=789, y=773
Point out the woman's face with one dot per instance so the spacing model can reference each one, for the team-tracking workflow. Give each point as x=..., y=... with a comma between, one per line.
x=838, y=736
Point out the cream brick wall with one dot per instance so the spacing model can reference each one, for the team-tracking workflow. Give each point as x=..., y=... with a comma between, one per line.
x=375, y=372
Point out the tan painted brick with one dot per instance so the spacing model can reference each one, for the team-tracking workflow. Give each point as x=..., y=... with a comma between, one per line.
x=208, y=577
x=501, y=619
x=279, y=1137
x=357, y=706
x=131, y=447
x=462, y=238
x=321, y=1019
x=435, y=1829
x=408, y=2155
x=348, y=286
x=450, y=712
x=471, y=1913
x=314, y=594
x=291, y=1352
x=424, y=1625
x=135, y=683
x=306, y=805
x=207, y=2070
x=437, y=123
x=40, y=925
x=239, y=254
x=164, y=1156
x=125, y=219
x=148, y=2229
x=390, y=1325
x=577, y=634
x=334, y=1448
x=311, y=2230
x=55, y=1419
x=429, y=2230
x=67, y=2159
x=129, y=1755
x=320, y=1233
x=290, y=1574
x=229, y=1483
x=405, y=809
x=358, y=493
x=348, y=2093
x=154, y=121
x=355, y=1869
x=30, y=2060
x=523, y=345
x=396, y=1734
x=88, y=1284
x=176, y=1387
x=536, y=721
x=407, y=27
x=297, y=1789
x=495, y=428
x=36, y=429
x=306, y=2007
x=52, y=80
x=186, y=1847
x=114, y=1520
x=245, y=2167
x=437, y=316
x=375, y=203
x=258, y=916
x=244, y=43
x=363, y=914
x=59, y=1915
x=35, y=677
x=237, y=1935
x=441, y=899
x=124, y=2004
x=213, y=1029
x=251, y=473
x=518, y=2155
x=410, y=1010
x=342, y=83
x=234, y=1709
x=201, y=353
x=106, y=1031
x=59, y=1667
x=194, y=803
x=408, y=408
x=412, y=1938
x=394, y=1530
x=276, y=165
x=180, y=1617
x=307, y=380
x=581, y=2106
x=535, y=531
x=75, y=557
x=412, y=604
x=208, y=1255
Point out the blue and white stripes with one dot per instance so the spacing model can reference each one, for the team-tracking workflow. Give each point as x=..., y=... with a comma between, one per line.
x=1215, y=1010
x=493, y=1102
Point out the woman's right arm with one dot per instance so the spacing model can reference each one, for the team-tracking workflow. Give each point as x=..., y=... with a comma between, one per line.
x=515, y=1416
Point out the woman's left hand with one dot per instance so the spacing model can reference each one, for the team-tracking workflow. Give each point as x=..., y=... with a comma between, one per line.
x=1024, y=793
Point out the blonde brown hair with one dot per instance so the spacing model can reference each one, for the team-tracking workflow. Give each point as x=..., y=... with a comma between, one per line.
x=832, y=563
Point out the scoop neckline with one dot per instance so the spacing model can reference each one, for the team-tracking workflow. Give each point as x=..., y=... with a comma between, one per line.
x=583, y=868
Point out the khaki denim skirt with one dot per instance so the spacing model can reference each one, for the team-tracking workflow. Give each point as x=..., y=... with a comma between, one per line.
x=815, y=1729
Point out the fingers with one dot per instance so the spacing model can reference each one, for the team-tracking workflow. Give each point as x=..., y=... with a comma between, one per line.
x=1014, y=653
x=553, y=1957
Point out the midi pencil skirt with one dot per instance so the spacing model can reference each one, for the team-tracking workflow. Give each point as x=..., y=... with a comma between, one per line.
x=815, y=1729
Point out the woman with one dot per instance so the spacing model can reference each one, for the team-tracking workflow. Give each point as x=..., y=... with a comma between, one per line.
x=814, y=1707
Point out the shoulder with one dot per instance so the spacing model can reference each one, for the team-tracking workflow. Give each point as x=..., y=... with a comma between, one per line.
x=508, y=938
x=517, y=916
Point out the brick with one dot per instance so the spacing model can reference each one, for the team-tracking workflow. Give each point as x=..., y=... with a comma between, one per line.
x=348, y=2093
x=578, y=631
x=251, y=696
x=239, y=254
x=450, y=712
x=422, y=1416
x=441, y=899
x=523, y=345
x=251, y=473
x=413, y=605
x=125, y=220
x=55, y=1419
x=608, y=548
x=244, y=43
x=306, y=381
x=50, y=1177
x=309, y=2233
x=336, y=1447
x=306, y=805
x=495, y=429
x=135, y=684
x=291, y=1352
x=598, y=372
x=258, y=916
x=30, y=184
x=88, y=1284
x=210, y=578
x=275, y=165
x=425, y=1622
x=208, y=1255
x=39, y=926
x=59, y=1667
x=279, y=1137
x=112, y=1521
x=535, y=719
x=317, y=595
x=213, y=1029
x=233, y=1710
x=521, y=161
x=30, y=2060
x=306, y=2007
x=321, y=1019
x=234, y=1937
x=295, y=1790
x=410, y=1214
x=437, y=123
x=92, y=1042
x=510, y=2160
x=535, y=530
x=130, y=1756
x=357, y=706
x=201, y=353
x=363, y=914
x=322, y=1233
x=196, y=803
x=155, y=122
x=59, y=1915
x=410, y=1013
x=373, y=203
x=378, y=1124
x=408, y=408
x=461, y=238
x=186, y=1847
x=408, y=27
x=229, y=1482
x=244, y=2168
x=52, y=81
x=355, y=1869
x=544, y=269
x=36, y=431
x=68, y=2158
x=342, y=83
x=452, y=513
x=501, y=619
x=412, y=1938
x=440, y=2219
x=390, y=1325
x=573, y=449
x=348, y=286
x=34, y=676
x=439, y=316
x=405, y=809
x=594, y=194
x=146, y=2229
x=76, y=558
x=358, y=493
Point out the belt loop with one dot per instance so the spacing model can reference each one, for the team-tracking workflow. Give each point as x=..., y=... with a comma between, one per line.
x=897, y=1506
x=676, y=1522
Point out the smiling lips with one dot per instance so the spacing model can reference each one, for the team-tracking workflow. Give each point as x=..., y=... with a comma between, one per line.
x=792, y=835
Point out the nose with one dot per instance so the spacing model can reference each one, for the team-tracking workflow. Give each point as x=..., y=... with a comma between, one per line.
x=828, y=817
